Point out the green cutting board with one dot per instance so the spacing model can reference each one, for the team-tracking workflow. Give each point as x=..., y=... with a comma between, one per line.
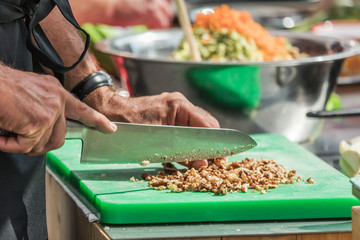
x=107, y=189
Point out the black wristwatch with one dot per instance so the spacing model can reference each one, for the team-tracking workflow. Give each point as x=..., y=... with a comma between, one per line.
x=90, y=83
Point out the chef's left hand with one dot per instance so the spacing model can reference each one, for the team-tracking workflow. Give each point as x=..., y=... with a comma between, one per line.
x=152, y=13
x=162, y=109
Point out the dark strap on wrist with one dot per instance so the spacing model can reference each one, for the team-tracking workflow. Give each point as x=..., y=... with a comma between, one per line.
x=90, y=83
x=34, y=11
x=46, y=53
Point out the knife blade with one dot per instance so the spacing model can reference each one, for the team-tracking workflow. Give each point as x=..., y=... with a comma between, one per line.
x=136, y=143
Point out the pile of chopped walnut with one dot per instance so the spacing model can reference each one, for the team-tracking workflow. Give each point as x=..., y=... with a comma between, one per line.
x=221, y=177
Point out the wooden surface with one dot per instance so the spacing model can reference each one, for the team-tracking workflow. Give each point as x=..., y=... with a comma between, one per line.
x=356, y=223
x=272, y=237
x=328, y=236
x=66, y=221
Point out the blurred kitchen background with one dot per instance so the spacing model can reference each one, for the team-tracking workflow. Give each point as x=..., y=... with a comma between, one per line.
x=333, y=18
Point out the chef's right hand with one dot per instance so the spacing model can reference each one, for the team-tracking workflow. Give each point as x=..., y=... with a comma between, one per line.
x=34, y=107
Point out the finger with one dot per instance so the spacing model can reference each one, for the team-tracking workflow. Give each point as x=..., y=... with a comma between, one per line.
x=159, y=20
x=221, y=160
x=57, y=137
x=167, y=13
x=185, y=113
x=198, y=164
x=162, y=16
x=170, y=14
x=17, y=144
x=79, y=111
x=168, y=8
x=191, y=115
x=38, y=149
x=195, y=164
x=46, y=136
x=11, y=145
x=164, y=21
x=200, y=117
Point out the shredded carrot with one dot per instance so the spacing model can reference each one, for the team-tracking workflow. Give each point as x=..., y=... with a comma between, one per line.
x=214, y=58
x=241, y=21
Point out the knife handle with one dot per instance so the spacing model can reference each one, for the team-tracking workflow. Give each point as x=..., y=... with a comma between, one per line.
x=6, y=133
x=351, y=112
x=73, y=130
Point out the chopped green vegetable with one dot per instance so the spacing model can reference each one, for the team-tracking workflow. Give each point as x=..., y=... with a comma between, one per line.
x=220, y=46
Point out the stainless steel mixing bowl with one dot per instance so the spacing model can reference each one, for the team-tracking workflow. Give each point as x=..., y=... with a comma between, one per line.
x=253, y=97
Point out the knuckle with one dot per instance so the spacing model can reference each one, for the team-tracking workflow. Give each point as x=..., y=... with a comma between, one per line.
x=164, y=94
x=26, y=148
x=55, y=143
x=52, y=80
x=44, y=120
x=81, y=109
x=30, y=130
x=57, y=103
x=97, y=121
x=176, y=99
x=54, y=86
x=178, y=95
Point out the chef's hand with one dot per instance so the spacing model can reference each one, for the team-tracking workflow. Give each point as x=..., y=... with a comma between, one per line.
x=34, y=106
x=163, y=109
x=152, y=13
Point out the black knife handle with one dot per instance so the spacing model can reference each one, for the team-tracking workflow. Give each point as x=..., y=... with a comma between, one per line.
x=6, y=133
x=351, y=112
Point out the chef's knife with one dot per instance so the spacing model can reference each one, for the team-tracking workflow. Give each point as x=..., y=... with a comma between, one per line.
x=136, y=143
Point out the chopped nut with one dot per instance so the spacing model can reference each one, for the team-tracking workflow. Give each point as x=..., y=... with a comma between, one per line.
x=220, y=177
x=172, y=187
x=132, y=179
x=145, y=175
x=291, y=173
x=145, y=163
x=310, y=180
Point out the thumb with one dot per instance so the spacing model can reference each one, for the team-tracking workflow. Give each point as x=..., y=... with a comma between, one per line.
x=79, y=111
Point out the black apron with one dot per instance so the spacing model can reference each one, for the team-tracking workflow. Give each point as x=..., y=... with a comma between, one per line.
x=22, y=178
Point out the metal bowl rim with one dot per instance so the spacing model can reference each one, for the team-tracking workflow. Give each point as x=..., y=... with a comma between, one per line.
x=105, y=47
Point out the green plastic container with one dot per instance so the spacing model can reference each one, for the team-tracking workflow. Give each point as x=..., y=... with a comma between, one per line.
x=237, y=87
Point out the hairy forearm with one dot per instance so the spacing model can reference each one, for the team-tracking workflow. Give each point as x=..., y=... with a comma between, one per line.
x=69, y=45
